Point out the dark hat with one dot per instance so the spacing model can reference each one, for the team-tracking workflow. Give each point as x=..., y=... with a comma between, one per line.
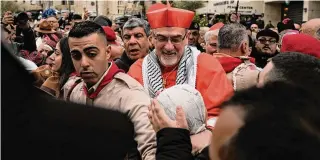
x=194, y=26
x=103, y=21
x=76, y=17
x=269, y=33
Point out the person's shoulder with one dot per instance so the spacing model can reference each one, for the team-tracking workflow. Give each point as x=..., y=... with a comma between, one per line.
x=130, y=82
x=136, y=68
x=138, y=63
x=208, y=62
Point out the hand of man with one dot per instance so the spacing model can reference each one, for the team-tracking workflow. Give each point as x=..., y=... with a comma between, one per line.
x=160, y=120
x=8, y=18
x=86, y=15
x=200, y=141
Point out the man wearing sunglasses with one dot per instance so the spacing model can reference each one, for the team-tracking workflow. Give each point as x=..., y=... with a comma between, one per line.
x=174, y=62
x=266, y=47
x=194, y=36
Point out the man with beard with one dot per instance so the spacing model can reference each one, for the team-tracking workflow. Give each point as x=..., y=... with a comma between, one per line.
x=194, y=36
x=136, y=43
x=104, y=85
x=266, y=47
x=173, y=62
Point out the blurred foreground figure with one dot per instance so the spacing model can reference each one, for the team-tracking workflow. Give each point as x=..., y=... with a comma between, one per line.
x=192, y=103
x=35, y=126
x=279, y=121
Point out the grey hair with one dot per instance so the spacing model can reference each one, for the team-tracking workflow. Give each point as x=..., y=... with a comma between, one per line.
x=137, y=22
x=209, y=34
x=190, y=100
x=231, y=36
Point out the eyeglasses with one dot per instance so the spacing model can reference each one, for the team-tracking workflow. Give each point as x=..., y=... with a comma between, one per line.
x=173, y=39
x=264, y=41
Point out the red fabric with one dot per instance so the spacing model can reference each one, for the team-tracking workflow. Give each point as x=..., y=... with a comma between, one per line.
x=230, y=63
x=106, y=80
x=211, y=81
x=34, y=56
x=52, y=43
x=156, y=7
x=74, y=74
x=301, y=43
x=160, y=16
x=111, y=35
x=216, y=26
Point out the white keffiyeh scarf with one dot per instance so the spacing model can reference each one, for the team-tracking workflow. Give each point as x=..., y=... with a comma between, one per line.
x=187, y=70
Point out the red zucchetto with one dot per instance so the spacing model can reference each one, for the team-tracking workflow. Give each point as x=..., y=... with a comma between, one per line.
x=160, y=15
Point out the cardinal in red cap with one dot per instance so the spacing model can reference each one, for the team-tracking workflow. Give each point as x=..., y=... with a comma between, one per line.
x=173, y=62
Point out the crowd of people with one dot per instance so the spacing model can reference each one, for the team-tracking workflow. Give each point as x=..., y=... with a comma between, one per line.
x=234, y=91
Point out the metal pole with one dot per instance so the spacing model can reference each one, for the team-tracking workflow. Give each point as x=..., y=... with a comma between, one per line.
x=237, y=7
x=97, y=8
x=69, y=6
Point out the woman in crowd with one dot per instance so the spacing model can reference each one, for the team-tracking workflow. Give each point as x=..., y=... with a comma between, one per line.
x=56, y=74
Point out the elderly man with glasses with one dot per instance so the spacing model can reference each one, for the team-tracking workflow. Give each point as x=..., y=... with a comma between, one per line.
x=173, y=62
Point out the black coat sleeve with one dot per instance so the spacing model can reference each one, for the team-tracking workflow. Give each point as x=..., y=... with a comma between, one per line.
x=29, y=40
x=173, y=144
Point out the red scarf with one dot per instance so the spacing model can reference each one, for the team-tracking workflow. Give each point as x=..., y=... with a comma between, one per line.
x=113, y=70
x=230, y=63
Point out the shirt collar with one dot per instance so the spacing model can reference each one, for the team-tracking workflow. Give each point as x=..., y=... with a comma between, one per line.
x=94, y=87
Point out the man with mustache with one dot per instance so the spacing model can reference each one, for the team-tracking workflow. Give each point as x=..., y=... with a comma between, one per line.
x=104, y=85
x=194, y=36
x=135, y=37
x=173, y=62
x=266, y=47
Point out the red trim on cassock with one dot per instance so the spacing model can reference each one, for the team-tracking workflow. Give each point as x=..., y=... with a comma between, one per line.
x=230, y=63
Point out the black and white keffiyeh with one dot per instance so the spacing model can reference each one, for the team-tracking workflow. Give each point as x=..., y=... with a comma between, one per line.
x=152, y=76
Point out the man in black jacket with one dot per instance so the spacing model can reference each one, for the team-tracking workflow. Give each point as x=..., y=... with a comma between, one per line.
x=135, y=37
x=278, y=121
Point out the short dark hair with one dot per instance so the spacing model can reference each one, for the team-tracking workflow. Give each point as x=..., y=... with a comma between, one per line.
x=281, y=122
x=296, y=68
x=86, y=28
x=76, y=17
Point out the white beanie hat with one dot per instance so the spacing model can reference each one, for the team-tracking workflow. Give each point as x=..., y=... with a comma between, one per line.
x=190, y=100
